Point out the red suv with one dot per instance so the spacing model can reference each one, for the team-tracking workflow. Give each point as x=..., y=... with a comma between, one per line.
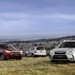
x=9, y=51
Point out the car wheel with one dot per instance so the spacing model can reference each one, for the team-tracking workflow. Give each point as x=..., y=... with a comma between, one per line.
x=26, y=55
x=32, y=55
x=52, y=61
x=2, y=57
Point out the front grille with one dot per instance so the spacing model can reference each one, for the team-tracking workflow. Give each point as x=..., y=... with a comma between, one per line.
x=15, y=52
x=60, y=52
x=60, y=57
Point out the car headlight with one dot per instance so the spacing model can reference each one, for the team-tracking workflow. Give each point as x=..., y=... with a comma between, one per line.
x=70, y=55
x=7, y=51
x=21, y=52
x=71, y=52
x=51, y=52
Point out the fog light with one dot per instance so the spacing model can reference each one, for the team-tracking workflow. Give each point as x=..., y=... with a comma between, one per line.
x=72, y=58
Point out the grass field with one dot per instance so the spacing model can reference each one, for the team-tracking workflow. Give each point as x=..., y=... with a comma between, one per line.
x=35, y=66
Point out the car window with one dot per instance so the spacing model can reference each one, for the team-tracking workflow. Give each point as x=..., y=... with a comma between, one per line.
x=33, y=48
x=29, y=50
x=40, y=48
x=11, y=47
x=67, y=45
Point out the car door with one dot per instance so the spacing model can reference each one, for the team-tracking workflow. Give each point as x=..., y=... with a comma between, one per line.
x=28, y=53
x=31, y=51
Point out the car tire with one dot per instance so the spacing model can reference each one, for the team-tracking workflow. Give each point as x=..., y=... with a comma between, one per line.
x=51, y=60
x=2, y=57
x=25, y=55
x=32, y=55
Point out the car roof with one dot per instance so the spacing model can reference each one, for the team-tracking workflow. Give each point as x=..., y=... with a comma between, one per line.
x=69, y=41
x=39, y=46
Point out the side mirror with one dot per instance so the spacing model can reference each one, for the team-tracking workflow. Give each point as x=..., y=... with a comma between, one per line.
x=21, y=48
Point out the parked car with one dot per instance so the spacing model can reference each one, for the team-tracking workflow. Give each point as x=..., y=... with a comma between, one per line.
x=36, y=51
x=64, y=51
x=9, y=51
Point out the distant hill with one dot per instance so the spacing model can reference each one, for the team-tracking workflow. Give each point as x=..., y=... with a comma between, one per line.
x=43, y=40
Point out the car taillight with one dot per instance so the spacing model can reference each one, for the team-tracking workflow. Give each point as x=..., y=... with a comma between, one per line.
x=7, y=51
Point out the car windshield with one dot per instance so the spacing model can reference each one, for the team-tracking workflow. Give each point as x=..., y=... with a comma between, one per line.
x=67, y=45
x=11, y=47
x=40, y=48
x=7, y=46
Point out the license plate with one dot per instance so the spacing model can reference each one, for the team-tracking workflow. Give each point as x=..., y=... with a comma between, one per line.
x=60, y=56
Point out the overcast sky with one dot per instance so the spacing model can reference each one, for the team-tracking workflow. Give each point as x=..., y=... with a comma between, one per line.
x=37, y=18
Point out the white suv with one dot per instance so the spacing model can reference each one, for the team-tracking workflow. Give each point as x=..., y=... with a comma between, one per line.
x=36, y=51
x=64, y=51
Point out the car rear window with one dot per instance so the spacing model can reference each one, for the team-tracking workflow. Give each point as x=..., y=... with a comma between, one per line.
x=40, y=48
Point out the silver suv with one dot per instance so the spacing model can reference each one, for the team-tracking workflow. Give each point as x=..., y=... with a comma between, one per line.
x=64, y=51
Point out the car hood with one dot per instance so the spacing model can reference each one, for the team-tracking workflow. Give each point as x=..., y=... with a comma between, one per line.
x=14, y=50
x=63, y=49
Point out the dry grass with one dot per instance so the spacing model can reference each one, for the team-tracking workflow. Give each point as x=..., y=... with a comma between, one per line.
x=35, y=66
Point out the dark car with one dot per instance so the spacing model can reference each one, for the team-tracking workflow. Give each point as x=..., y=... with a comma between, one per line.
x=9, y=51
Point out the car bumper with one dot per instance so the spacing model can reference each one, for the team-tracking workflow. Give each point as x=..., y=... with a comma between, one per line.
x=62, y=57
x=13, y=55
x=40, y=54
